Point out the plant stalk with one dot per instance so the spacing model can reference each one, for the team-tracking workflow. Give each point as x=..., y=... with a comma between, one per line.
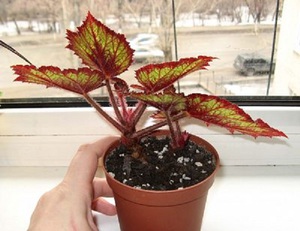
x=114, y=103
x=98, y=108
x=124, y=106
x=172, y=130
x=146, y=131
x=138, y=112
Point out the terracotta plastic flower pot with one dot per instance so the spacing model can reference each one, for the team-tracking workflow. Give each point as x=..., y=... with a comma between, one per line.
x=173, y=210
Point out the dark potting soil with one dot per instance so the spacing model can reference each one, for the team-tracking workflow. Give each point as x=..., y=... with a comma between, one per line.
x=164, y=169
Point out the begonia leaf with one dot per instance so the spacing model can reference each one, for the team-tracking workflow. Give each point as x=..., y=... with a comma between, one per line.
x=218, y=111
x=100, y=48
x=166, y=102
x=155, y=77
x=78, y=81
x=170, y=90
x=120, y=86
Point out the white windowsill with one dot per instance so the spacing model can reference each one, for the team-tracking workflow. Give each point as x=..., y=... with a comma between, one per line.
x=248, y=198
x=50, y=137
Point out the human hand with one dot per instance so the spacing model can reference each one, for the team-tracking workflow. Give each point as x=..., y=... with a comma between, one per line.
x=69, y=205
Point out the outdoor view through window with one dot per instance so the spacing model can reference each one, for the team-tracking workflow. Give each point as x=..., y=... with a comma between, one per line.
x=240, y=33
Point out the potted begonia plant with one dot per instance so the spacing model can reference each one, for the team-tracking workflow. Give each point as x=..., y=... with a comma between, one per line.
x=160, y=178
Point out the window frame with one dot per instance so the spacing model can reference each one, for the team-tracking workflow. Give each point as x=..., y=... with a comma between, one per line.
x=67, y=102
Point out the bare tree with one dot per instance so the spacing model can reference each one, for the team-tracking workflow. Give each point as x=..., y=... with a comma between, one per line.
x=201, y=7
x=162, y=9
x=71, y=13
x=20, y=10
x=138, y=9
x=230, y=9
x=259, y=9
x=38, y=10
x=159, y=13
x=4, y=10
x=51, y=10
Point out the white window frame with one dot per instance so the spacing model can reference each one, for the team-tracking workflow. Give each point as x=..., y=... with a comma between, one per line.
x=51, y=136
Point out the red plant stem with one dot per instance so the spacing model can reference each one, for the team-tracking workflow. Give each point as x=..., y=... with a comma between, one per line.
x=138, y=112
x=98, y=108
x=114, y=103
x=148, y=130
x=172, y=131
x=178, y=129
x=123, y=105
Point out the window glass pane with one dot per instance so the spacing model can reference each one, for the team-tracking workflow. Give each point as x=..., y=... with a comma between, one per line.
x=240, y=33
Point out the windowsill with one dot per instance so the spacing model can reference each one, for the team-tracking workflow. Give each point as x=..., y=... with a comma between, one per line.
x=242, y=198
x=51, y=136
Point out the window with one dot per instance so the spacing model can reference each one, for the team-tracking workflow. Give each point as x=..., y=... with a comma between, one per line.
x=224, y=29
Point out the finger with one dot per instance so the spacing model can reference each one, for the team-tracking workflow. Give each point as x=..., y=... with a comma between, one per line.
x=101, y=145
x=101, y=188
x=84, y=164
x=103, y=206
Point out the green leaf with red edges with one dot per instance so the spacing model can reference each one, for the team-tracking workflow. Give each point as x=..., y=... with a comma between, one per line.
x=155, y=77
x=218, y=111
x=100, y=47
x=79, y=81
x=166, y=102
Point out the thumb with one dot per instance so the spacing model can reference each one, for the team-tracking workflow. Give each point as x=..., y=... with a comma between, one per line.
x=84, y=164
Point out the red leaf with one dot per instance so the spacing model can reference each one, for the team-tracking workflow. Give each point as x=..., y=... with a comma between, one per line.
x=100, y=47
x=155, y=77
x=166, y=102
x=138, y=87
x=170, y=90
x=79, y=81
x=214, y=110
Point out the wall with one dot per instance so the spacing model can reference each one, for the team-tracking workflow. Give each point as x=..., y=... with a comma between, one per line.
x=287, y=73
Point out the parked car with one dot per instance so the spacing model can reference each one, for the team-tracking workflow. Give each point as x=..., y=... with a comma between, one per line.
x=148, y=54
x=253, y=63
x=145, y=39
